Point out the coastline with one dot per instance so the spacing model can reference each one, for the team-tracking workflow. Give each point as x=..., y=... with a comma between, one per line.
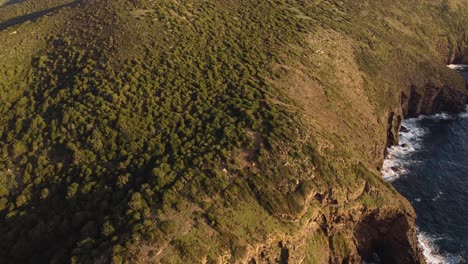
x=404, y=143
x=396, y=165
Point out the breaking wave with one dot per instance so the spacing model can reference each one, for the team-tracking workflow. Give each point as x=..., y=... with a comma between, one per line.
x=397, y=158
x=431, y=252
x=397, y=164
x=411, y=135
x=458, y=67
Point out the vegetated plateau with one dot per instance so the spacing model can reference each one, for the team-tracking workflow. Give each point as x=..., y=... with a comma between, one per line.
x=203, y=131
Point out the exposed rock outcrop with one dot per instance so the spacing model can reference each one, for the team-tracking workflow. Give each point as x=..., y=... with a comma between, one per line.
x=218, y=131
x=389, y=235
x=348, y=229
x=394, y=123
x=432, y=99
x=426, y=100
x=459, y=53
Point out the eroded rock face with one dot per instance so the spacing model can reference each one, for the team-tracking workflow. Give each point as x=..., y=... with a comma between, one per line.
x=459, y=55
x=347, y=230
x=432, y=99
x=394, y=123
x=389, y=235
x=426, y=100
x=388, y=232
x=352, y=236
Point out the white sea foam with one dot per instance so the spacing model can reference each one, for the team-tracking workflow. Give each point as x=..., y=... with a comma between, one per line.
x=465, y=114
x=410, y=141
x=432, y=253
x=429, y=249
x=395, y=165
x=397, y=158
x=457, y=66
x=437, y=197
x=441, y=116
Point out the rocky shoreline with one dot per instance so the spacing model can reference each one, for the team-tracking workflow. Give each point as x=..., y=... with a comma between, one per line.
x=387, y=231
x=415, y=101
x=217, y=131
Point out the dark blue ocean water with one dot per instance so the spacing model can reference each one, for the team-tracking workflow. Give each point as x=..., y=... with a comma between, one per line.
x=431, y=171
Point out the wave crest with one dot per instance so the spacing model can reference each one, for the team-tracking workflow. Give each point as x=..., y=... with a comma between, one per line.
x=432, y=253
x=397, y=158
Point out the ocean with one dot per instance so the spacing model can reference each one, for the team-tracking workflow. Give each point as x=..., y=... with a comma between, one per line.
x=430, y=168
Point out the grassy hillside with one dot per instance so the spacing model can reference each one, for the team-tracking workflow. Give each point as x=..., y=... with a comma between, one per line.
x=209, y=131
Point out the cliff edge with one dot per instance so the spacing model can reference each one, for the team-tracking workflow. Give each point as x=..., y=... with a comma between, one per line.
x=215, y=131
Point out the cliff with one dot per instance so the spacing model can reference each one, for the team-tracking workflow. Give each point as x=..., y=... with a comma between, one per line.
x=215, y=131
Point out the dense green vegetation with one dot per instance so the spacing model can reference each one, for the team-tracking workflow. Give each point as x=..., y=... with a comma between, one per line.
x=138, y=119
x=94, y=154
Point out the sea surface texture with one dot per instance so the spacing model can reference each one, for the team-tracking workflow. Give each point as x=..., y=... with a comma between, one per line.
x=430, y=168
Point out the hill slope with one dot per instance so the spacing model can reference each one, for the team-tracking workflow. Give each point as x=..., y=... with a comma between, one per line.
x=215, y=131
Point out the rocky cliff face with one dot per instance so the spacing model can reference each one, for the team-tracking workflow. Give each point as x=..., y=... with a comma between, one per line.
x=426, y=100
x=350, y=229
x=215, y=131
x=457, y=53
x=346, y=229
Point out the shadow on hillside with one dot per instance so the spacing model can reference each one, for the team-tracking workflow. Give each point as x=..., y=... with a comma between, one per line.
x=12, y=2
x=45, y=229
x=33, y=16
